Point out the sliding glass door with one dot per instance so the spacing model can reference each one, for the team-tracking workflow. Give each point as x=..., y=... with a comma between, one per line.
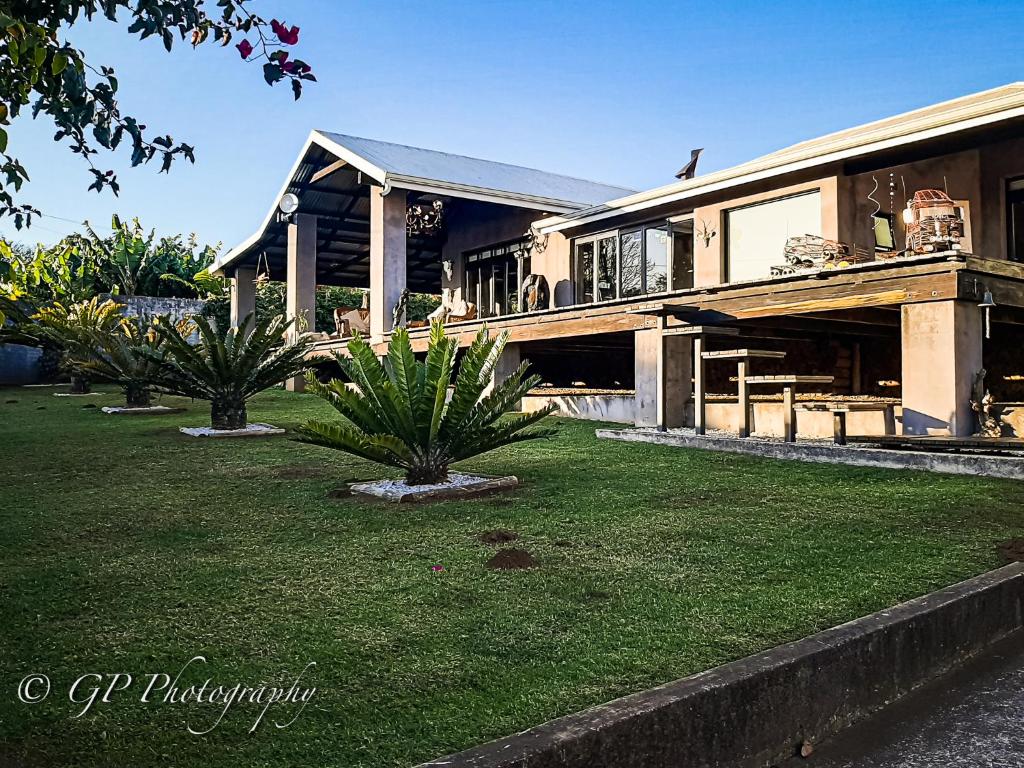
x=493, y=277
x=634, y=262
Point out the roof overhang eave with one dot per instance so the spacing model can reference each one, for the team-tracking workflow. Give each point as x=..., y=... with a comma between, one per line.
x=748, y=172
x=315, y=138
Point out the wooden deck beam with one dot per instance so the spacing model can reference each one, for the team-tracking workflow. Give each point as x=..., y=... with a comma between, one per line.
x=838, y=291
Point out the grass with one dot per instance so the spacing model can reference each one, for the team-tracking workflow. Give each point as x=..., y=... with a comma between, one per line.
x=127, y=547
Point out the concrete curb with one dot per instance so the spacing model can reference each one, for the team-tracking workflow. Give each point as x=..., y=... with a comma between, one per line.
x=754, y=712
x=1007, y=467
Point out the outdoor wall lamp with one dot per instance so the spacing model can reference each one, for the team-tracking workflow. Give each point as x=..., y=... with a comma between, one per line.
x=288, y=205
x=987, y=302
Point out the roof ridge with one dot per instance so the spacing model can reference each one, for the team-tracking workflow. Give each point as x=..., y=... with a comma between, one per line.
x=477, y=159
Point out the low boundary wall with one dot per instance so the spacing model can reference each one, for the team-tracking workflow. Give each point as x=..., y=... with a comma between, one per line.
x=754, y=712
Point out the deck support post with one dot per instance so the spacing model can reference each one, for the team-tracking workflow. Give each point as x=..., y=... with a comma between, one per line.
x=743, y=391
x=300, y=300
x=507, y=364
x=788, y=414
x=942, y=353
x=700, y=387
x=243, y=295
x=663, y=369
x=387, y=257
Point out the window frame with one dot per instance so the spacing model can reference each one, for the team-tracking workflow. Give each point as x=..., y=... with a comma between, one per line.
x=1013, y=194
x=665, y=224
x=512, y=255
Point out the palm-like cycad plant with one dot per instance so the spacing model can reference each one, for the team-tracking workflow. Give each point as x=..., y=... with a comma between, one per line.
x=227, y=368
x=130, y=358
x=399, y=412
x=75, y=328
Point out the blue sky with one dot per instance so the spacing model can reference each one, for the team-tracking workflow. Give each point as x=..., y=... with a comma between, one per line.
x=611, y=91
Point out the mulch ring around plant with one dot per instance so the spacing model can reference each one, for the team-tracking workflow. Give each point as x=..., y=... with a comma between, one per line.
x=512, y=560
x=1011, y=550
x=497, y=536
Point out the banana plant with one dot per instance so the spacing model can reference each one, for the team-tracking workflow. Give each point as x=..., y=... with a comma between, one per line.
x=75, y=329
x=400, y=414
x=227, y=368
x=126, y=256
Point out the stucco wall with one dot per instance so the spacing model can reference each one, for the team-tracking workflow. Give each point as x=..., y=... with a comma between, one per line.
x=472, y=224
x=766, y=419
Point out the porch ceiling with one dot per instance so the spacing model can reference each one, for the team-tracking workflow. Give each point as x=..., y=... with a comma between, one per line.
x=341, y=203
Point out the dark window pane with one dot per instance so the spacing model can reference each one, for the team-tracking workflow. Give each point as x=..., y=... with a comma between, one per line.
x=585, y=273
x=1015, y=223
x=632, y=264
x=606, y=268
x=682, y=255
x=472, y=285
x=500, y=296
x=656, y=259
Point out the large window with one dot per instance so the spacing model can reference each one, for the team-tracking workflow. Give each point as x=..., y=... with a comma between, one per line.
x=1015, y=219
x=756, y=234
x=649, y=259
x=493, y=277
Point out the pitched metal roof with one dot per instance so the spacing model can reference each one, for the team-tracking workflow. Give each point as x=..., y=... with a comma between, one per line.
x=450, y=172
x=430, y=171
x=961, y=114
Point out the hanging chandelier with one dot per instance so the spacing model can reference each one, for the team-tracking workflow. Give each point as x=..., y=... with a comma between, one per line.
x=425, y=220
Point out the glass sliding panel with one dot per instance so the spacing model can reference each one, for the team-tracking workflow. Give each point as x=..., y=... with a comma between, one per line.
x=607, y=267
x=756, y=235
x=500, y=296
x=486, y=275
x=1015, y=219
x=585, y=273
x=656, y=259
x=632, y=263
x=682, y=255
x=514, y=283
x=473, y=286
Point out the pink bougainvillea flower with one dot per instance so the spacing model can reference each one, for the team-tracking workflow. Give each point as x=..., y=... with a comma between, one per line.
x=284, y=34
x=245, y=48
x=437, y=568
x=288, y=66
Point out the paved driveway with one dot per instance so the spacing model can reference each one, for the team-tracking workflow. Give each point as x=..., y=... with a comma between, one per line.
x=973, y=718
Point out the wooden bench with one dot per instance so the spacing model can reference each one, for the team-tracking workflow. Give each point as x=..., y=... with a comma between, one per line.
x=742, y=357
x=840, y=410
x=789, y=382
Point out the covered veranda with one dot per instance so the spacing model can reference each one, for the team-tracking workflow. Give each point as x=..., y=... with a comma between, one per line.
x=354, y=221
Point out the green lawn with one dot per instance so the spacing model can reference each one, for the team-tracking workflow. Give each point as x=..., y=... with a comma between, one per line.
x=127, y=547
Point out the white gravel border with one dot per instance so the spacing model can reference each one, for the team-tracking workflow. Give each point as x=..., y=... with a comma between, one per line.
x=125, y=410
x=458, y=485
x=250, y=430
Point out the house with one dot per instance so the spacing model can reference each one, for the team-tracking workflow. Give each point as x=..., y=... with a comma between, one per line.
x=852, y=265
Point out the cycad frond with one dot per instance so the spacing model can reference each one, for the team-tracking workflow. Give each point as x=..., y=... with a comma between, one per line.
x=400, y=414
x=228, y=367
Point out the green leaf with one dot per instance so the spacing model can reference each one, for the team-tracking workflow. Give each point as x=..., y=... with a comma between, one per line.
x=59, y=63
x=3, y=140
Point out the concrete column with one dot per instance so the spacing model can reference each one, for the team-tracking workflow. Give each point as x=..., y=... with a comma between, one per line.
x=510, y=360
x=387, y=257
x=243, y=294
x=663, y=367
x=300, y=302
x=941, y=355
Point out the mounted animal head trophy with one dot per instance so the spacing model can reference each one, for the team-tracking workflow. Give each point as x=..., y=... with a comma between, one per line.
x=706, y=232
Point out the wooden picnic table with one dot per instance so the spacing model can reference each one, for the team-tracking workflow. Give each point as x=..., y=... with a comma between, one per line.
x=789, y=382
x=742, y=357
x=839, y=410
